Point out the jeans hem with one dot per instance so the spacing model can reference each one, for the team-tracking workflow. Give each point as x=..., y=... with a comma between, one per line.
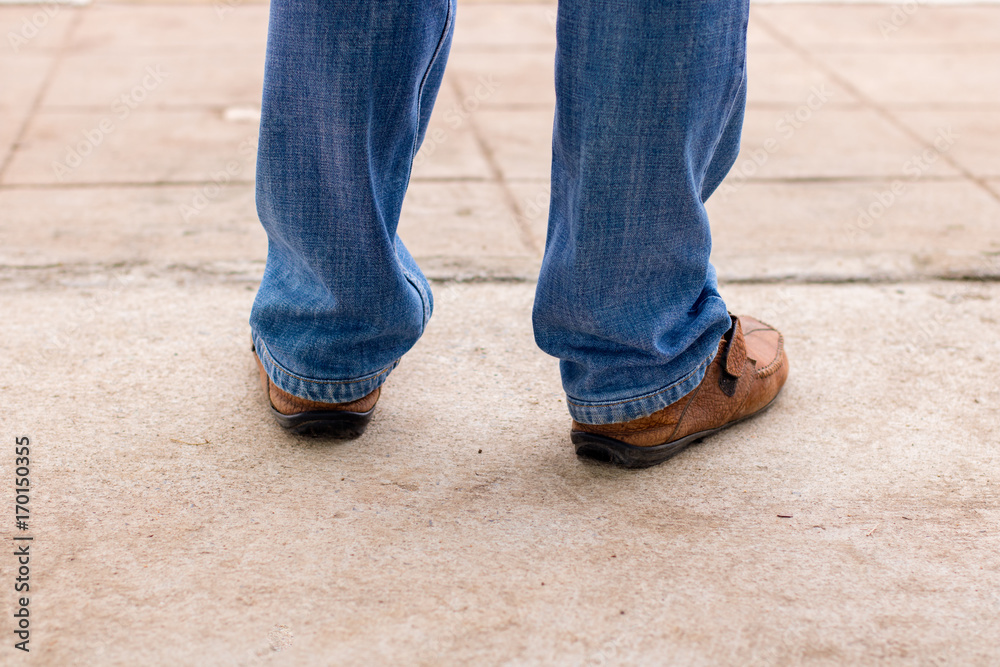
x=313, y=389
x=614, y=412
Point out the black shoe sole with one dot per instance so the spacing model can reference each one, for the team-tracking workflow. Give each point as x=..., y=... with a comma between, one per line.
x=609, y=450
x=616, y=452
x=321, y=424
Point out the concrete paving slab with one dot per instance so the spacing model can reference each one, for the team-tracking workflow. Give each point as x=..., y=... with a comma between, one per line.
x=10, y=125
x=519, y=140
x=888, y=230
x=758, y=38
x=507, y=79
x=532, y=198
x=489, y=25
x=525, y=78
x=218, y=539
x=509, y=27
x=34, y=29
x=900, y=79
x=450, y=149
x=977, y=145
x=818, y=231
x=467, y=225
x=158, y=28
x=782, y=77
x=184, y=3
x=793, y=142
x=142, y=146
x=813, y=140
x=468, y=3
x=214, y=78
x=838, y=231
x=495, y=26
x=22, y=76
x=855, y=523
x=196, y=226
x=884, y=26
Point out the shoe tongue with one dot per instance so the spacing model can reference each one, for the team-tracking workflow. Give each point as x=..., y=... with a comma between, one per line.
x=736, y=352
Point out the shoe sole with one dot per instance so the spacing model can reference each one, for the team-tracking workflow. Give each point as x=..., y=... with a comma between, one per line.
x=321, y=424
x=609, y=450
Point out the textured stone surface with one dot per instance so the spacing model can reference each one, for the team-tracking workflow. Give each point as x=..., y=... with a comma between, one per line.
x=799, y=142
x=35, y=29
x=175, y=523
x=495, y=25
x=180, y=524
x=157, y=27
x=780, y=77
x=977, y=144
x=886, y=229
x=22, y=76
x=163, y=226
x=519, y=140
x=451, y=148
x=884, y=27
x=522, y=78
x=219, y=78
x=474, y=221
x=10, y=125
x=141, y=146
x=900, y=79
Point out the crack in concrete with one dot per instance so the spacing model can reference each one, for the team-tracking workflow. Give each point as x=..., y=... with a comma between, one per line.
x=250, y=271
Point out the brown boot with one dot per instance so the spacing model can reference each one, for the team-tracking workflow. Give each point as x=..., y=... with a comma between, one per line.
x=304, y=417
x=745, y=377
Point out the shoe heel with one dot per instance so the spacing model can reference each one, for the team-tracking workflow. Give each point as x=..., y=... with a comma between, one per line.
x=337, y=425
x=608, y=450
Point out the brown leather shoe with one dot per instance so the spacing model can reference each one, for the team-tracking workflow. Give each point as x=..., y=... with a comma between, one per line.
x=742, y=381
x=303, y=417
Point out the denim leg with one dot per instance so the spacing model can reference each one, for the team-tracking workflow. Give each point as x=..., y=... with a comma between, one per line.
x=649, y=107
x=348, y=91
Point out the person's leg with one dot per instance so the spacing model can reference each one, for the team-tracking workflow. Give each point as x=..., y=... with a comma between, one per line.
x=348, y=91
x=649, y=106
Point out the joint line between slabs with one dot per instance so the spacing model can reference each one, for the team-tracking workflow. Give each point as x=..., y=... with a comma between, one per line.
x=43, y=273
x=112, y=185
x=524, y=231
x=43, y=89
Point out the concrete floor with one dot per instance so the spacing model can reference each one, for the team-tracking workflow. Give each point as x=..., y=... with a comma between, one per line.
x=175, y=523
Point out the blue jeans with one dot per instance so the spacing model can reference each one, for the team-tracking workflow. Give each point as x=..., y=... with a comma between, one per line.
x=649, y=107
